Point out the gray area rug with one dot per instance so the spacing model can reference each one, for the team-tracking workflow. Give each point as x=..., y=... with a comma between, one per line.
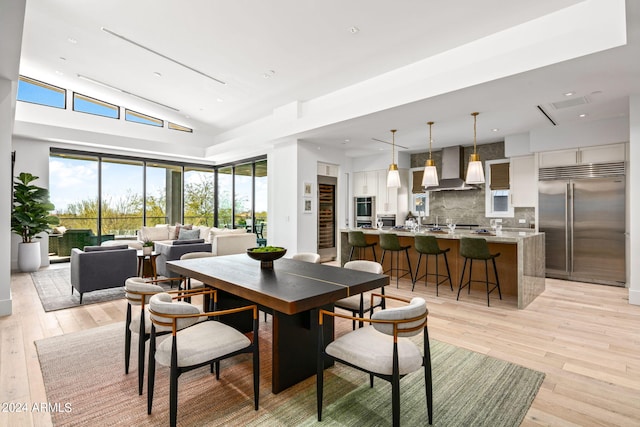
x=86, y=371
x=54, y=289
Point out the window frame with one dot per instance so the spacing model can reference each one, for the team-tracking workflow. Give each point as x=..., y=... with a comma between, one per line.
x=95, y=101
x=489, y=193
x=43, y=85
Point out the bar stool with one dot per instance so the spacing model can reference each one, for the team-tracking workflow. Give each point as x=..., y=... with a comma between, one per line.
x=428, y=245
x=389, y=242
x=357, y=240
x=478, y=249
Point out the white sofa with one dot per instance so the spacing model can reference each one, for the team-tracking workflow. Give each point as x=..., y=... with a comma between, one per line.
x=223, y=241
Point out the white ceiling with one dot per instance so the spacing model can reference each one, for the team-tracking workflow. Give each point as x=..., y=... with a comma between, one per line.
x=334, y=84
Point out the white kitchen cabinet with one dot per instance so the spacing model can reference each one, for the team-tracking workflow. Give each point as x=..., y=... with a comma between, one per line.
x=523, y=184
x=365, y=183
x=549, y=159
x=327, y=169
x=585, y=155
x=387, y=198
x=603, y=154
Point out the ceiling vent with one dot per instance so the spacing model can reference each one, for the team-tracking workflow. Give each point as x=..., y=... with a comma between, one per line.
x=573, y=102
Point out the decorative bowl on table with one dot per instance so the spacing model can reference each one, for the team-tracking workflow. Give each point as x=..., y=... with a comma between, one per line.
x=266, y=255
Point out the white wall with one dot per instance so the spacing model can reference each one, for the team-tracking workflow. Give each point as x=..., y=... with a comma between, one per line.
x=11, y=23
x=282, y=172
x=291, y=164
x=33, y=157
x=633, y=202
x=7, y=95
x=579, y=134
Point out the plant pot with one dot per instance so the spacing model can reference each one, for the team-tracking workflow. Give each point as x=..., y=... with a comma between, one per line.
x=29, y=257
x=146, y=250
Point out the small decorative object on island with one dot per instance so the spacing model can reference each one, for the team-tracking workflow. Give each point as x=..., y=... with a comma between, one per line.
x=147, y=247
x=266, y=255
x=30, y=217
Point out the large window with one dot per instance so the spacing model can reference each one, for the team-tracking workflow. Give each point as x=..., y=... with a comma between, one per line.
x=164, y=194
x=225, y=194
x=73, y=188
x=243, y=196
x=199, y=193
x=114, y=196
x=122, y=196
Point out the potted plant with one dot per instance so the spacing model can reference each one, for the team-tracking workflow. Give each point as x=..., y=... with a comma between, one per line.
x=30, y=217
x=147, y=247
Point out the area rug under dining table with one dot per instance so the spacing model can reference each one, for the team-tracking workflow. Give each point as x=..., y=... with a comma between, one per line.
x=84, y=371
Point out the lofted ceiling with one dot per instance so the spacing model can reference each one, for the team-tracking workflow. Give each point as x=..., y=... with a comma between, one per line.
x=338, y=74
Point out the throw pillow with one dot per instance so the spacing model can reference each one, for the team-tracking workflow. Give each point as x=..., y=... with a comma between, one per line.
x=204, y=232
x=155, y=233
x=180, y=227
x=186, y=234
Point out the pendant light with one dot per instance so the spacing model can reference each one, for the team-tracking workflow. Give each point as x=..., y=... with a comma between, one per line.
x=475, y=174
x=393, y=177
x=430, y=174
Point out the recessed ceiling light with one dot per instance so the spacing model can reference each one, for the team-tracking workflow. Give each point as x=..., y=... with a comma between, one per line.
x=60, y=73
x=72, y=40
x=568, y=93
x=346, y=140
x=268, y=74
x=219, y=99
x=157, y=74
x=495, y=130
x=354, y=30
x=62, y=58
x=582, y=115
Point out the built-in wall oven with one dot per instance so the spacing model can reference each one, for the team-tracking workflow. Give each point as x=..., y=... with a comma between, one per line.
x=364, y=211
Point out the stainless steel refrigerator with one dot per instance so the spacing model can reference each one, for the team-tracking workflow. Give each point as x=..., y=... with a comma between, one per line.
x=584, y=222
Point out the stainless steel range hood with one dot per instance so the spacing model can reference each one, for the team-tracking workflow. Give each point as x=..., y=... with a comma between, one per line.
x=452, y=171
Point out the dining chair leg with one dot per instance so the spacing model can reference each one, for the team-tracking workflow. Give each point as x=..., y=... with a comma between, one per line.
x=151, y=375
x=141, y=351
x=127, y=340
x=173, y=385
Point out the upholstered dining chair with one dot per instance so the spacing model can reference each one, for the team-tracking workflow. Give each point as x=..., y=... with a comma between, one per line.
x=138, y=292
x=358, y=304
x=197, y=284
x=195, y=344
x=307, y=257
x=382, y=350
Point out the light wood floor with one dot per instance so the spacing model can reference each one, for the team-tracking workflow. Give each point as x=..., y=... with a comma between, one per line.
x=586, y=338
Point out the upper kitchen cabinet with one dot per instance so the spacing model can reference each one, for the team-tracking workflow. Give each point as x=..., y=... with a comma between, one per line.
x=327, y=169
x=387, y=198
x=577, y=156
x=365, y=183
x=522, y=181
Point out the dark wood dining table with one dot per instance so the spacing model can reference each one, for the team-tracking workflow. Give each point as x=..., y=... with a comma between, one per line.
x=293, y=292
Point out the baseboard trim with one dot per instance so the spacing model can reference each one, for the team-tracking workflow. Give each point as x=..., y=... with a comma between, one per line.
x=634, y=296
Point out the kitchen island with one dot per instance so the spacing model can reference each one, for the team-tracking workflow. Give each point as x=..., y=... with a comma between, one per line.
x=521, y=264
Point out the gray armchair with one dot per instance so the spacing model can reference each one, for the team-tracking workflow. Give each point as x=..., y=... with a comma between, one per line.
x=101, y=267
x=174, y=250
